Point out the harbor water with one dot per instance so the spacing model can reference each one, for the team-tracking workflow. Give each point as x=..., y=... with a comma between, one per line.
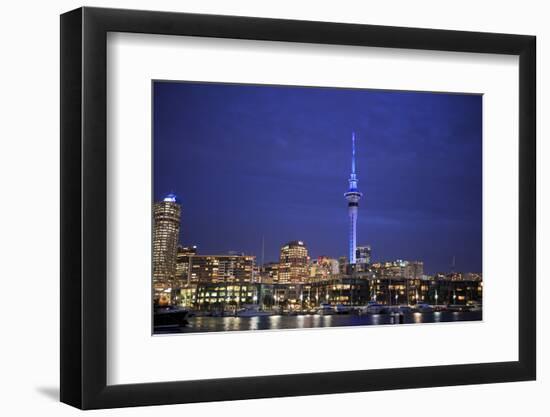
x=306, y=321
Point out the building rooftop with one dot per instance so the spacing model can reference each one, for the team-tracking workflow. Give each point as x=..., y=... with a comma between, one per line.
x=171, y=198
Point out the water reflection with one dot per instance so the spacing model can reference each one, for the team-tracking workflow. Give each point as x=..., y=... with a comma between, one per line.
x=327, y=320
x=216, y=324
x=254, y=323
x=316, y=320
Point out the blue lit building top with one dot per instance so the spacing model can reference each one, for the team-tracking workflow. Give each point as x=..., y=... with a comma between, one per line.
x=170, y=198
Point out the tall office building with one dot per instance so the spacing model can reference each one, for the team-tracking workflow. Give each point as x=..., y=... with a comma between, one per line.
x=353, y=196
x=293, y=263
x=166, y=218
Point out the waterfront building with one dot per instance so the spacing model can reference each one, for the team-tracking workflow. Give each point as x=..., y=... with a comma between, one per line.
x=353, y=196
x=207, y=269
x=210, y=296
x=293, y=263
x=166, y=227
x=344, y=290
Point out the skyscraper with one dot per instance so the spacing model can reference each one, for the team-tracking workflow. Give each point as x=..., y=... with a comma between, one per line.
x=293, y=263
x=166, y=217
x=353, y=196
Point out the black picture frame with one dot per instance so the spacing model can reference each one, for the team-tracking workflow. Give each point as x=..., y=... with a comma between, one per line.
x=84, y=207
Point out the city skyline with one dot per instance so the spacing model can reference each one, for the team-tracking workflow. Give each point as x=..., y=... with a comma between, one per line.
x=228, y=179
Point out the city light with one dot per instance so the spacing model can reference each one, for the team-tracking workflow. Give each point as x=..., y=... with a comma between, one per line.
x=235, y=285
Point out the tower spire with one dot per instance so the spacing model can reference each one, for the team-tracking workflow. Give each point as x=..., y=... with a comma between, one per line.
x=353, y=154
x=353, y=196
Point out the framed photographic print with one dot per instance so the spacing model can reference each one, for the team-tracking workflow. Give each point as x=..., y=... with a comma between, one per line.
x=258, y=208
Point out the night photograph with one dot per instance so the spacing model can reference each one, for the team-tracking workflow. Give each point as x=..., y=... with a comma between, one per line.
x=293, y=207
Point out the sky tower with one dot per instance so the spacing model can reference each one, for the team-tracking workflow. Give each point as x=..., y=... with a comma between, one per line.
x=353, y=196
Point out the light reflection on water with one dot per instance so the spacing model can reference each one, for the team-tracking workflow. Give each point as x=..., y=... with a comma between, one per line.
x=230, y=324
x=278, y=322
x=254, y=323
x=376, y=319
x=327, y=321
x=316, y=320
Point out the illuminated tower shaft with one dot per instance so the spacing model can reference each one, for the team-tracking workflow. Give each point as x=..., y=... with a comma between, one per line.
x=353, y=196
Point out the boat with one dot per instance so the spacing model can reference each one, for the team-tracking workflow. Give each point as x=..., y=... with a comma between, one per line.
x=475, y=306
x=252, y=310
x=342, y=309
x=405, y=309
x=372, y=308
x=169, y=317
x=457, y=308
x=423, y=308
x=325, y=308
x=390, y=310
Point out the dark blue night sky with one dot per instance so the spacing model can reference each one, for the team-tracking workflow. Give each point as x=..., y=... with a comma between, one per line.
x=252, y=161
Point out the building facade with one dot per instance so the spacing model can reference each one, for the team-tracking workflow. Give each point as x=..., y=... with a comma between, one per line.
x=343, y=265
x=340, y=290
x=219, y=297
x=323, y=268
x=293, y=263
x=166, y=228
x=414, y=270
x=362, y=258
x=215, y=269
x=269, y=273
x=182, y=262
